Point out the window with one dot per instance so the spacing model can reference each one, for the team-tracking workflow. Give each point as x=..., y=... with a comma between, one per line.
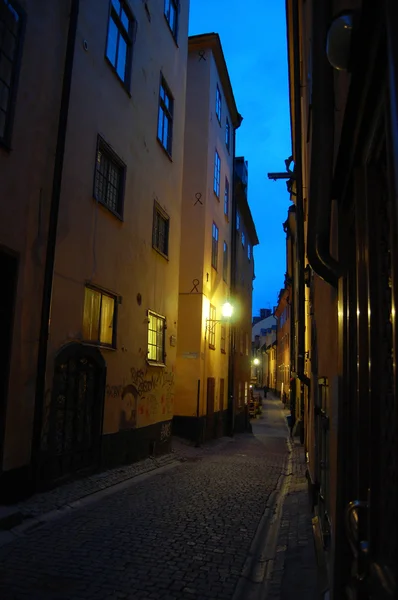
x=241, y=341
x=214, y=247
x=120, y=40
x=226, y=197
x=212, y=327
x=237, y=220
x=227, y=134
x=10, y=38
x=247, y=344
x=225, y=262
x=165, y=117
x=109, y=178
x=217, y=171
x=160, y=231
x=171, y=13
x=239, y=394
x=156, y=331
x=223, y=338
x=243, y=239
x=246, y=392
x=99, y=326
x=249, y=251
x=218, y=104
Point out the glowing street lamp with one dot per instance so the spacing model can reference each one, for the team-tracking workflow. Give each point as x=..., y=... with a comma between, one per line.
x=256, y=362
x=227, y=310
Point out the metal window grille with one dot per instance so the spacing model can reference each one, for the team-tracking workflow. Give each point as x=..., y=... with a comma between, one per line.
x=120, y=39
x=160, y=234
x=212, y=328
x=225, y=262
x=156, y=338
x=218, y=104
x=217, y=172
x=109, y=178
x=171, y=8
x=226, y=197
x=10, y=29
x=214, y=247
x=165, y=117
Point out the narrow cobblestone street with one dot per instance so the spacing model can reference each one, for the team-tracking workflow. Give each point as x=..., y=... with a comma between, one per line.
x=184, y=531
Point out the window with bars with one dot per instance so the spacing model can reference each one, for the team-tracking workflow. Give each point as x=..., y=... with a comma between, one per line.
x=226, y=197
x=171, y=8
x=156, y=338
x=160, y=231
x=10, y=42
x=217, y=174
x=99, y=317
x=212, y=327
x=223, y=340
x=109, y=178
x=225, y=262
x=165, y=116
x=227, y=134
x=119, y=42
x=214, y=247
x=218, y=104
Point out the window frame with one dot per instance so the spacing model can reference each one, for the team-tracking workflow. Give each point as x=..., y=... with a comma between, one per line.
x=237, y=220
x=128, y=37
x=214, y=245
x=227, y=134
x=217, y=174
x=150, y=361
x=225, y=262
x=223, y=339
x=158, y=211
x=243, y=239
x=168, y=113
x=107, y=150
x=176, y=5
x=116, y=300
x=249, y=252
x=226, y=197
x=218, y=104
x=5, y=141
x=212, y=328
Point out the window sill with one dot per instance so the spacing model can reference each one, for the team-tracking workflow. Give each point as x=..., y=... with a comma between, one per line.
x=223, y=351
x=124, y=85
x=153, y=363
x=99, y=346
x=211, y=347
x=106, y=207
x=165, y=256
x=167, y=153
x=216, y=195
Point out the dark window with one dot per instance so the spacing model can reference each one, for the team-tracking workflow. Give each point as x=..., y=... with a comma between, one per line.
x=226, y=197
x=217, y=172
x=237, y=220
x=165, y=117
x=119, y=43
x=156, y=338
x=10, y=38
x=223, y=347
x=243, y=239
x=212, y=327
x=160, y=233
x=227, y=134
x=249, y=251
x=99, y=318
x=225, y=262
x=109, y=178
x=218, y=104
x=214, y=247
x=171, y=13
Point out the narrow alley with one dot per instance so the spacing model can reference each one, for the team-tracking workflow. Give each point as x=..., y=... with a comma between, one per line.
x=229, y=520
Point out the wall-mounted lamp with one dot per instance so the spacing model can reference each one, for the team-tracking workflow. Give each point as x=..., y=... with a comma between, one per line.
x=339, y=40
x=256, y=362
x=227, y=311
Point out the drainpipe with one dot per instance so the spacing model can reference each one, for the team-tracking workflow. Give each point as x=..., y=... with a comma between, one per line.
x=319, y=212
x=52, y=239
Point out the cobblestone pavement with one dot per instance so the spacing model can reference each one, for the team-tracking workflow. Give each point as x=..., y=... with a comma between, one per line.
x=181, y=533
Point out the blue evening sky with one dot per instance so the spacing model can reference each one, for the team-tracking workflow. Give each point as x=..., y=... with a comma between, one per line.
x=253, y=37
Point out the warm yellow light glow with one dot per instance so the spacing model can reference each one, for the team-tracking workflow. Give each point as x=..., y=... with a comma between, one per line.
x=256, y=361
x=227, y=310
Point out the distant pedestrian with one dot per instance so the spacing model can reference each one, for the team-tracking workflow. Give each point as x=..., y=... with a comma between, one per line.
x=265, y=389
x=291, y=421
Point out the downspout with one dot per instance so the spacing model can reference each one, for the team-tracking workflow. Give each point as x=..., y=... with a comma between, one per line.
x=319, y=210
x=52, y=239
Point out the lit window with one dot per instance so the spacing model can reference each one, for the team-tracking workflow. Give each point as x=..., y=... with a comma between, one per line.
x=171, y=14
x=217, y=172
x=218, y=104
x=10, y=39
x=165, y=116
x=109, y=178
x=237, y=220
x=246, y=392
x=226, y=197
x=227, y=134
x=223, y=339
x=99, y=318
x=120, y=39
x=225, y=262
x=243, y=239
x=156, y=335
x=160, y=231
x=214, y=247
x=212, y=326
x=249, y=251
